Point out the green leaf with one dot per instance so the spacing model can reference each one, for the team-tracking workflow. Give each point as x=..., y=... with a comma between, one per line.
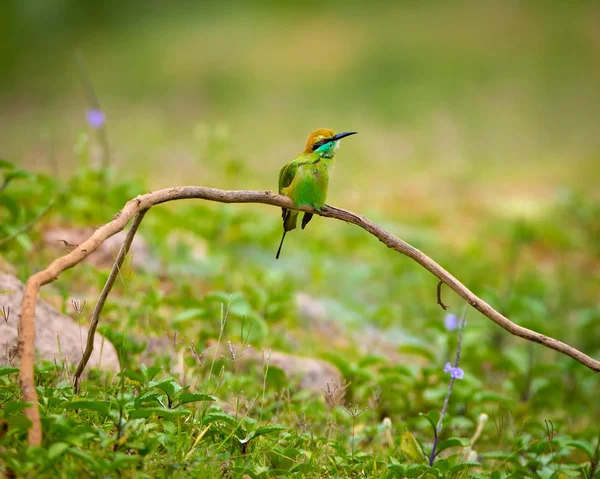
x=24, y=241
x=6, y=165
x=583, y=446
x=4, y=370
x=398, y=468
x=158, y=411
x=397, y=370
x=417, y=350
x=12, y=206
x=418, y=470
x=151, y=372
x=452, y=442
x=187, y=315
x=18, y=422
x=442, y=465
x=13, y=406
x=133, y=375
x=262, y=431
x=220, y=417
x=412, y=449
x=18, y=175
x=85, y=456
x=276, y=378
x=121, y=460
x=432, y=417
x=57, y=449
x=304, y=468
x=371, y=360
x=464, y=465
x=187, y=397
x=341, y=362
x=102, y=407
x=490, y=396
x=168, y=385
x=145, y=397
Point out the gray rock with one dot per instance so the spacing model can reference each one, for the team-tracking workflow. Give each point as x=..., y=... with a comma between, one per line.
x=331, y=322
x=309, y=373
x=311, y=308
x=50, y=325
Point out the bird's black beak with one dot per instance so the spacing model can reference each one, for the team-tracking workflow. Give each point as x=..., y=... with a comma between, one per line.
x=339, y=136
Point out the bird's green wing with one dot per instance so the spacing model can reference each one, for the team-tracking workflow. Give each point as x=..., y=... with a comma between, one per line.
x=286, y=175
x=288, y=172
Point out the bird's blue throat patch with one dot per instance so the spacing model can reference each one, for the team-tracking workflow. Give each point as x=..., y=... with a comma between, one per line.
x=328, y=150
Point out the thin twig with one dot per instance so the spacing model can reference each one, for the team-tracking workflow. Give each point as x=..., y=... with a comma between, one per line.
x=439, y=295
x=103, y=295
x=440, y=424
x=144, y=202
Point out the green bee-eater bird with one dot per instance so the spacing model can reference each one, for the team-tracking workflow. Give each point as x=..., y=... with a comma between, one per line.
x=305, y=179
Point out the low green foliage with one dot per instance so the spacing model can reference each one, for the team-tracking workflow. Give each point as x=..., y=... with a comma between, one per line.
x=535, y=412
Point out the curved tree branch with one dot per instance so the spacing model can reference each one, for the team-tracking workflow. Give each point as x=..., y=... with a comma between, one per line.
x=144, y=202
x=89, y=347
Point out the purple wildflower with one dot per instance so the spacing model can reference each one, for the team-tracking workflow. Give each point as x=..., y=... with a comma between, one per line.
x=451, y=322
x=455, y=373
x=95, y=118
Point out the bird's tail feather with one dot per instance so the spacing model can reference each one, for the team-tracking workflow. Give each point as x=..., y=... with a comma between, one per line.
x=289, y=220
x=289, y=223
x=306, y=218
x=280, y=245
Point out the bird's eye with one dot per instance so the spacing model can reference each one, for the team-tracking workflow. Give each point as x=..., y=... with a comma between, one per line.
x=320, y=143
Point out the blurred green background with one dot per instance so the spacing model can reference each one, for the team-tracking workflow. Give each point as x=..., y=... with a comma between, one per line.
x=478, y=121
x=493, y=101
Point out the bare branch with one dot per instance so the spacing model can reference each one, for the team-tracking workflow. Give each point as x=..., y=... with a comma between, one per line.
x=144, y=202
x=103, y=295
x=439, y=295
